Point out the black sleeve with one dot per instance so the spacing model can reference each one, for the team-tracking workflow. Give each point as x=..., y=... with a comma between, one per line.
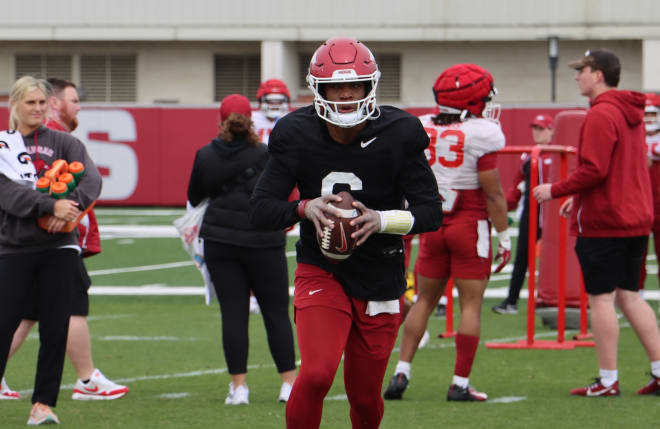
x=195, y=190
x=89, y=188
x=23, y=201
x=419, y=185
x=269, y=208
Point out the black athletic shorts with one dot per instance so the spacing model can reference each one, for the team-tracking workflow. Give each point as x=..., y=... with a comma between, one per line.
x=610, y=262
x=80, y=304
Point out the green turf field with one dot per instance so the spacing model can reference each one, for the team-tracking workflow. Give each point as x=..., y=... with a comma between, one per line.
x=168, y=350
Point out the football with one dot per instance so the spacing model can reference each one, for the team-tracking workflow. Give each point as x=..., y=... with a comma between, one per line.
x=337, y=243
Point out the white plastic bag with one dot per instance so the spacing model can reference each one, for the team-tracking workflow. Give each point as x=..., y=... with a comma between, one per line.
x=188, y=227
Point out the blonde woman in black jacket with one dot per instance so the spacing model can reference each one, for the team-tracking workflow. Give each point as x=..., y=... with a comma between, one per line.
x=238, y=257
x=35, y=264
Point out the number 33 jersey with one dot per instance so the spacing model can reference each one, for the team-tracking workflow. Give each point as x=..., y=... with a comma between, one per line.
x=456, y=154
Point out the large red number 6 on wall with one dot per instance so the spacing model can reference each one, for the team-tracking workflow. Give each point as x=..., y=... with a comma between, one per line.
x=457, y=148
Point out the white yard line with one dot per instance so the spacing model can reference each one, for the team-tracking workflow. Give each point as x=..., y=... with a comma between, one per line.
x=177, y=395
x=162, y=290
x=137, y=231
x=506, y=400
x=161, y=377
x=139, y=212
x=109, y=316
x=134, y=338
x=150, y=231
x=140, y=268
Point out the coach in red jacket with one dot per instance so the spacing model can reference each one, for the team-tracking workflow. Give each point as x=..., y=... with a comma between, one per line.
x=612, y=214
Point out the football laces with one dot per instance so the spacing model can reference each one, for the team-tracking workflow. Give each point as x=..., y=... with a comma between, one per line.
x=325, y=239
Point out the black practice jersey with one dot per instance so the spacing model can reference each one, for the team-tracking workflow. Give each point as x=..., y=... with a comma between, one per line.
x=382, y=168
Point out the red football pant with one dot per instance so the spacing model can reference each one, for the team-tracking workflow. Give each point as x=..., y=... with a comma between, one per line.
x=330, y=323
x=320, y=352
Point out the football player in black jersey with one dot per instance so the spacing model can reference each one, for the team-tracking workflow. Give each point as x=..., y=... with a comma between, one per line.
x=346, y=142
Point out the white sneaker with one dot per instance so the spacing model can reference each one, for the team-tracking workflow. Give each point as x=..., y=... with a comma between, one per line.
x=254, y=305
x=98, y=388
x=41, y=414
x=6, y=392
x=285, y=391
x=425, y=339
x=238, y=396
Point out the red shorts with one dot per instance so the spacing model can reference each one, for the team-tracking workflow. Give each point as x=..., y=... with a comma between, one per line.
x=461, y=250
x=317, y=287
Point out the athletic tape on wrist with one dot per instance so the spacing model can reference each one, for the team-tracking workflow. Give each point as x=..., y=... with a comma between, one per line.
x=396, y=221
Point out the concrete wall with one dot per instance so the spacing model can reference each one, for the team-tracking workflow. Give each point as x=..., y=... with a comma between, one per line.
x=183, y=71
x=301, y=20
x=175, y=40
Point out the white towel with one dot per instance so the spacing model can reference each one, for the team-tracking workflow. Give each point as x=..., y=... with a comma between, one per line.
x=15, y=162
x=378, y=307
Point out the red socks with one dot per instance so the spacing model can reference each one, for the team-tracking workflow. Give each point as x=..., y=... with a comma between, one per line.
x=466, y=349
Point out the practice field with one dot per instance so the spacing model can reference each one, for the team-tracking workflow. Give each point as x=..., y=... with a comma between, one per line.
x=167, y=349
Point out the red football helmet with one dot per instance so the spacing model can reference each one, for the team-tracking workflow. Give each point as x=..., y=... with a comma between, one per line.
x=464, y=88
x=273, y=96
x=652, y=113
x=344, y=59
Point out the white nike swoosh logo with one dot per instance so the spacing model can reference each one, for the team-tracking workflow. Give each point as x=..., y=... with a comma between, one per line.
x=312, y=292
x=367, y=143
x=602, y=392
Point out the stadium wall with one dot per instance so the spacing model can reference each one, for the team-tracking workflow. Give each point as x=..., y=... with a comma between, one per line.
x=183, y=72
x=145, y=154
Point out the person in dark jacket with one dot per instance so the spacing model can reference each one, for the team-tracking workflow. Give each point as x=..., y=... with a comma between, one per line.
x=541, y=134
x=238, y=257
x=36, y=263
x=612, y=214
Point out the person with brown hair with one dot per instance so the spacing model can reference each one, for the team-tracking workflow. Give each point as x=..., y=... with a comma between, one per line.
x=36, y=263
x=542, y=131
x=238, y=257
x=611, y=209
x=465, y=138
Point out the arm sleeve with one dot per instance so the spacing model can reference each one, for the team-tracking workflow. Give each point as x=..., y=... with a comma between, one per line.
x=420, y=187
x=195, y=189
x=269, y=206
x=22, y=201
x=514, y=194
x=89, y=188
x=598, y=140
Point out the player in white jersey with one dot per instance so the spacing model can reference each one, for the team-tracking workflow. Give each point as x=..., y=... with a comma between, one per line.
x=465, y=137
x=652, y=126
x=274, y=98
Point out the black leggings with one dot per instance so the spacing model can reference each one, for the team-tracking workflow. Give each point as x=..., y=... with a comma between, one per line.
x=45, y=278
x=522, y=255
x=235, y=271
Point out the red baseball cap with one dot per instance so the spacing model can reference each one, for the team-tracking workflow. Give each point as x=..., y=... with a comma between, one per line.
x=235, y=103
x=543, y=121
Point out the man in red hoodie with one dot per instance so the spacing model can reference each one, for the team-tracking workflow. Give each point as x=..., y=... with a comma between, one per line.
x=612, y=212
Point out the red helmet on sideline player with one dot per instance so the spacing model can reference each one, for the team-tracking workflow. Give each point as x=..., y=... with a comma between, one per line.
x=652, y=113
x=274, y=97
x=338, y=60
x=464, y=88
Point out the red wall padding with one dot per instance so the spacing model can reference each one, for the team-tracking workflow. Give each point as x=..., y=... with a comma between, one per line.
x=146, y=153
